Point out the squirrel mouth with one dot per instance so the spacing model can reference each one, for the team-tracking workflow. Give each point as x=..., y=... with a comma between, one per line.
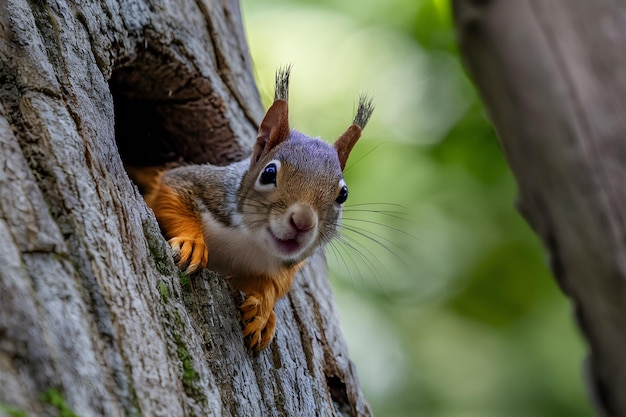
x=287, y=246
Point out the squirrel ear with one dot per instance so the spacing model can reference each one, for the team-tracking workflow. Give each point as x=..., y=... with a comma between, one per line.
x=274, y=128
x=347, y=140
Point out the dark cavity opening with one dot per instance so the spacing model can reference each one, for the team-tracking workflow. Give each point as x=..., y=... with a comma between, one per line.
x=339, y=395
x=166, y=112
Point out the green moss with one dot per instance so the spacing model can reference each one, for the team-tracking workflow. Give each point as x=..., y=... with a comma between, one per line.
x=12, y=411
x=157, y=248
x=190, y=376
x=54, y=398
x=164, y=291
x=185, y=282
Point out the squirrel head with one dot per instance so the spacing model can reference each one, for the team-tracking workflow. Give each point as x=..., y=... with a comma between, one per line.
x=294, y=190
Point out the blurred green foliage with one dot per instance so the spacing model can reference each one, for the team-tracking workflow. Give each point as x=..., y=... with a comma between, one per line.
x=444, y=293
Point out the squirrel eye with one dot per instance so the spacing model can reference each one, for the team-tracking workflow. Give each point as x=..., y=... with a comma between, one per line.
x=268, y=176
x=343, y=195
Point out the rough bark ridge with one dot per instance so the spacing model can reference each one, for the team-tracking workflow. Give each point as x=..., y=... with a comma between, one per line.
x=553, y=76
x=92, y=309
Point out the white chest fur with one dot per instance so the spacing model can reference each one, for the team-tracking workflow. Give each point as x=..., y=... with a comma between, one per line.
x=236, y=250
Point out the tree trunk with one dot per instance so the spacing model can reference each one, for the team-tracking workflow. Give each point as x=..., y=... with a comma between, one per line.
x=93, y=314
x=553, y=76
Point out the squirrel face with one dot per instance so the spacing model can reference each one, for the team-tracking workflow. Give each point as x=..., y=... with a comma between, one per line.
x=292, y=194
x=291, y=198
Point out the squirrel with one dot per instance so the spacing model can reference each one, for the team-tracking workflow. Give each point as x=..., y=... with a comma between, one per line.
x=257, y=221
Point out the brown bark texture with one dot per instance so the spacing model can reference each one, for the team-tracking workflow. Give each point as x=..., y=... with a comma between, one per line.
x=553, y=77
x=94, y=315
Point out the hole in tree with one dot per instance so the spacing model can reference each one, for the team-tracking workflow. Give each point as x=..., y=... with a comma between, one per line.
x=339, y=395
x=166, y=113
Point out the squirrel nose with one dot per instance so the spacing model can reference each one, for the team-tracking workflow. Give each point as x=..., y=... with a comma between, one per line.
x=303, y=219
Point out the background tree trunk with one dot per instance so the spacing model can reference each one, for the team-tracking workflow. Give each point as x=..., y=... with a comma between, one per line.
x=553, y=76
x=92, y=309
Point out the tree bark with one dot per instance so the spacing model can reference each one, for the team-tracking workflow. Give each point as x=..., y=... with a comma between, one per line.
x=92, y=308
x=553, y=76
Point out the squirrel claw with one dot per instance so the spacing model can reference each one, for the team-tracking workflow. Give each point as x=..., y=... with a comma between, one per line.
x=175, y=246
x=189, y=254
x=259, y=323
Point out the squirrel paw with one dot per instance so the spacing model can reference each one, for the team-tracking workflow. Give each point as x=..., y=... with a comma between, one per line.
x=189, y=254
x=259, y=323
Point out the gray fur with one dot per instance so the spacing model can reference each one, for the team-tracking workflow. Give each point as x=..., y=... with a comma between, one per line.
x=310, y=174
x=209, y=188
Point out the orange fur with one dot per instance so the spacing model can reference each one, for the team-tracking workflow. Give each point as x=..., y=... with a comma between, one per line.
x=182, y=227
x=146, y=178
x=346, y=142
x=257, y=311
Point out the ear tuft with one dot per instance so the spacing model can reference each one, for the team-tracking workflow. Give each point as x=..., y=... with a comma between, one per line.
x=364, y=111
x=274, y=128
x=281, y=89
x=345, y=142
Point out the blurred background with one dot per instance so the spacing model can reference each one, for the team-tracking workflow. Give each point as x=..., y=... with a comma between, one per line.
x=444, y=293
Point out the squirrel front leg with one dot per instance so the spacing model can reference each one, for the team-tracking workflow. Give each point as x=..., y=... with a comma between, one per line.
x=259, y=319
x=182, y=226
x=257, y=310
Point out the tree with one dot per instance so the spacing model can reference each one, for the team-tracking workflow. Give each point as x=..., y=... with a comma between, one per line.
x=94, y=317
x=552, y=76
